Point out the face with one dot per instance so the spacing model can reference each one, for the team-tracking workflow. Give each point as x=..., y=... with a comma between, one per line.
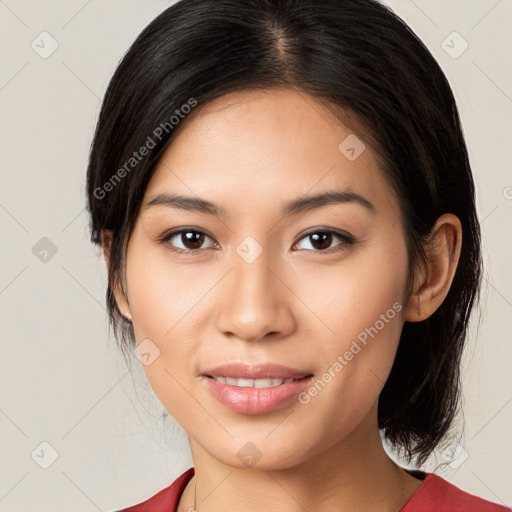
x=316, y=287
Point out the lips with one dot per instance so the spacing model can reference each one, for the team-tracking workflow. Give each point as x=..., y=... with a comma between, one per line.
x=260, y=371
x=256, y=389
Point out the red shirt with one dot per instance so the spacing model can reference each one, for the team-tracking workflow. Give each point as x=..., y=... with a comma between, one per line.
x=434, y=495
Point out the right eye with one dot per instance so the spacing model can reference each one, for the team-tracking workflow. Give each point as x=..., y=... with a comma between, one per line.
x=190, y=238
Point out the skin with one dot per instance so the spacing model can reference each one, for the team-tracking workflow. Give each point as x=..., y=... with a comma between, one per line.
x=297, y=305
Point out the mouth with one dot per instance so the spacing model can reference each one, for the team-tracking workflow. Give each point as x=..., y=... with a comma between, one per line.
x=256, y=389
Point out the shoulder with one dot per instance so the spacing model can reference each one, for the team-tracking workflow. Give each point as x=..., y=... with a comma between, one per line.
x=167, y=499
x=436, y=494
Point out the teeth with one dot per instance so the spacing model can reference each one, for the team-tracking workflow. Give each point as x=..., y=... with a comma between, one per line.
x=252, y=383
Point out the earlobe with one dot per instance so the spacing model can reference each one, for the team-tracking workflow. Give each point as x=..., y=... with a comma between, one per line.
x=442, y=258
x=121, y=300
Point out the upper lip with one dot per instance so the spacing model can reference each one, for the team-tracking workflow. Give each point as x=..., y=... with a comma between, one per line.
x=259, y=371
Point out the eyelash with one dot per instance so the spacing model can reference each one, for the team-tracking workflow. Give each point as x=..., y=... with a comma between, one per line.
x=347, y=241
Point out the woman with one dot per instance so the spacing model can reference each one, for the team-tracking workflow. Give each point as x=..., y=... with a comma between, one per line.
x=283, y=196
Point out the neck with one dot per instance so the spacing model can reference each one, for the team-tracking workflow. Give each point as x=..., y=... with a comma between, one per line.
x=353, y=474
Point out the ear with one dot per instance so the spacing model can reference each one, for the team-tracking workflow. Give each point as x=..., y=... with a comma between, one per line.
x=120, y=297
x=442, y=259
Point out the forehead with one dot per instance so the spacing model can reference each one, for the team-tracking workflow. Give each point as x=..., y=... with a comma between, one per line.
x=260, y=146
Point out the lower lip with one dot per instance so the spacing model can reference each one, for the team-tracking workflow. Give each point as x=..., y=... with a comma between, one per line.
x=256, y=400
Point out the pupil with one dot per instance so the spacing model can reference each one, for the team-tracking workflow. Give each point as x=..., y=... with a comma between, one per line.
x=323, y=237
x=192, y=237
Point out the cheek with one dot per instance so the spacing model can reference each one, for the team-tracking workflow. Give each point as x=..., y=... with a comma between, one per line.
x=365, y=288
x=162, y=294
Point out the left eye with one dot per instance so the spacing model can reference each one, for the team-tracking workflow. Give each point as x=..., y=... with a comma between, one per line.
x=321, y=240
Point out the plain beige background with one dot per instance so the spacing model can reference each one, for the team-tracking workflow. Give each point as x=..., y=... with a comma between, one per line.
x=63, y=382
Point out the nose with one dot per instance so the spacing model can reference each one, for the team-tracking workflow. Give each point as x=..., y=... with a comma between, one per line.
x=255, y=300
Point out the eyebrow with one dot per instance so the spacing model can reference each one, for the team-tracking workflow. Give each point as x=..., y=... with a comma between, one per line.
x=196, y=204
